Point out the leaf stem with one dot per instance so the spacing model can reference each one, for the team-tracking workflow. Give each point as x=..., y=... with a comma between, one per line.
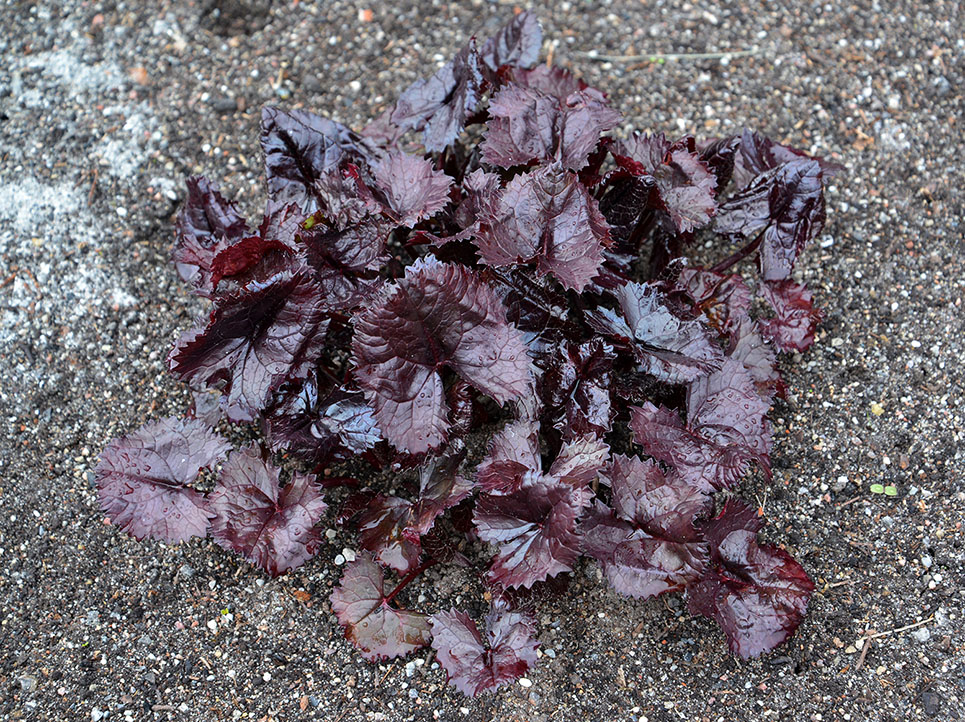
x=739, y=255
x=408, y=578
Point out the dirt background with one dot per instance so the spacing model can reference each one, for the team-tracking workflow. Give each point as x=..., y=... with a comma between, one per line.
x=105, y=108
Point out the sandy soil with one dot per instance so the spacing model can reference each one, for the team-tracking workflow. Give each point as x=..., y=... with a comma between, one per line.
x=105, y=108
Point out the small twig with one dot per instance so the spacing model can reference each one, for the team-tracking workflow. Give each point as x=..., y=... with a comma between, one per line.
x=652, y=57
x=896, y=631
x=93, y=187
x=838, y=584
x=864, y=653
x=385, y=676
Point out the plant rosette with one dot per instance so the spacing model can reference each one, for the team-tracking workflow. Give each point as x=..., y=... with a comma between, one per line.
x=485, y=267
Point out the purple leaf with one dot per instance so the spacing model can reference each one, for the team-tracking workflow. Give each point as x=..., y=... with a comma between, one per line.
x=793, y=327
x=441, y=104
x=647, y=544
x=206, y=225
x=550, y=80
x=345, y=262
x=686, y=188
x=437, y=315
x=660, y=504
x=685, y=185
x=719, y=155
x=206, y=407
x=579, y=462
x=757, y=153
x=343, y=198
x=514, y=462
x=671, y=348
x=391, y=528
x=142, y=479
x=627, y=197
x=757, y=593
x=726, y=429
x=642, y=153
x=474, y=665
x=786, y=206
x=535, y=529
x=513, y=459
x=548, y=217
x=255, y=258
x=637, y=564
x=244, y=259
x=384, y=530
x=529, y=125
x=480, y=201
x=413, y=188
x=362, y=607
x=299, y=147
x=517, y=43
x=270, y=526
x=757, y=356
x=576, y=388
x=254, y=341
x=537, y=307
x=317, y=420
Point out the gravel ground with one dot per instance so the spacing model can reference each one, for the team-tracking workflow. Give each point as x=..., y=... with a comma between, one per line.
x=105, y=107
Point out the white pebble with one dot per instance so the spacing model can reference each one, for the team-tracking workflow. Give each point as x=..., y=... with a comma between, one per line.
x=339, y=559
x=525, y=682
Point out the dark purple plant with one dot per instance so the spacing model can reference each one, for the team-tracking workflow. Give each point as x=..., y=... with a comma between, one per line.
x=526, y=286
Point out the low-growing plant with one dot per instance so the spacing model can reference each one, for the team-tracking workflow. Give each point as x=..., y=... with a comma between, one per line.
x=499, y=319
